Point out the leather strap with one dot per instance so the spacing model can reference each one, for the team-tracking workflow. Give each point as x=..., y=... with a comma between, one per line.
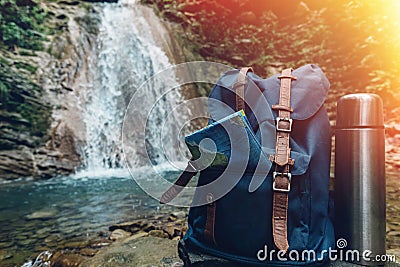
x=210, y=220
x=179, y=184
x=239, y=88
x=212, y=205
x=282, y=160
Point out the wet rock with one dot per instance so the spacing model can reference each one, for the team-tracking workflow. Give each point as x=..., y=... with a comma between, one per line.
x=76, y=244
x=43, y=231
x=170, y=230
x=4, y=255
x=100, y=243
x=159, y=233
x=42, y=214
x=179, y=214
x=6, y=244
x=70, y=3
x=143, y=251
x=119, y=234
x=15, y=163
x=52, y=240
x=394, y=233
x=61, y=259
x=132, y=226
x=26, y=242
x=137, y=235
x=90, y=252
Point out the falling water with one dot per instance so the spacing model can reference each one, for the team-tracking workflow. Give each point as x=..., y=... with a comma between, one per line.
x=126, y=55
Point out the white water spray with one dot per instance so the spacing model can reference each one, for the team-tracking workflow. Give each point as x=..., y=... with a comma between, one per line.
x=126, y=56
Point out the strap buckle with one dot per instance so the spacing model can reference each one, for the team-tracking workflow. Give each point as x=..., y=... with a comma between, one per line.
x=278, y=119
x=282, y=174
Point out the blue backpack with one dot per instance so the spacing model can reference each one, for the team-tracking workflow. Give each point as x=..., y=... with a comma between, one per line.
x=272, y=207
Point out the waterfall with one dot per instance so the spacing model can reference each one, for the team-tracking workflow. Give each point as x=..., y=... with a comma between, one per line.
x=125, y=56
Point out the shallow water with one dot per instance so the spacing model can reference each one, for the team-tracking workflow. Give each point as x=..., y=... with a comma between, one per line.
x=46, y=215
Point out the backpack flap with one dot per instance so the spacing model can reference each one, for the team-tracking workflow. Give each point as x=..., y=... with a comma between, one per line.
x=308, y=92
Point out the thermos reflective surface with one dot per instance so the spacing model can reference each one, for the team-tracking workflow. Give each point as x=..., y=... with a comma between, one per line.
x=360, y=194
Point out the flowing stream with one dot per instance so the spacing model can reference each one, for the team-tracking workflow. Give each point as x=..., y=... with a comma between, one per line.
x=46, y=215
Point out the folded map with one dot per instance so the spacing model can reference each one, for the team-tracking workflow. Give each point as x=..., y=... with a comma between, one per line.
x=229, y=140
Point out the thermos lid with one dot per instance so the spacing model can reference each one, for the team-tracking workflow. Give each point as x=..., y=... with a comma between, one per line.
x=359, y=110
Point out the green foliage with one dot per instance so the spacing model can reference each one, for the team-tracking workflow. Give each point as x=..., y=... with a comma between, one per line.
x=352, y=40
x=21, y=23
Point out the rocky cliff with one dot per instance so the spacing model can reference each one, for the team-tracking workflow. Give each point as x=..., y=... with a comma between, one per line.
x=41, y=132
x=49, y=68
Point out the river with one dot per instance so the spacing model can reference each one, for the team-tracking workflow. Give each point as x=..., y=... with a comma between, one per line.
x=53, y=214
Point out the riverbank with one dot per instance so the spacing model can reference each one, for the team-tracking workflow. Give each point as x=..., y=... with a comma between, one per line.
x=150, y=241
x=147, y=237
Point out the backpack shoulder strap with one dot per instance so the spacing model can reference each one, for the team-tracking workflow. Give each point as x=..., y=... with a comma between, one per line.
x=239, y=87
x=282, y=176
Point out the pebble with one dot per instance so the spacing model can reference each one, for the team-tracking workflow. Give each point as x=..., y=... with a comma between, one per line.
x=4, y=255
x=26, y=242
x=88, y=252
x=70, y=260
x=394, y=233
x=76, y=244
x=138, y=235
x=158, y=233
x=99, y=243
x=179, y=214
x=132, y=226
x=6, y=244
x=42, y=231
x=42, y=214
x=119, y=234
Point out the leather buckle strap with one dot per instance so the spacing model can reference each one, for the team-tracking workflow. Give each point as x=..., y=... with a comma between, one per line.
x=279, y=107
x=283, y=175
x=282, y=179
x=287, y=125
x=180, y=183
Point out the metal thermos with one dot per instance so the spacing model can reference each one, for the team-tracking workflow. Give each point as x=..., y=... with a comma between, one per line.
x=360, y=194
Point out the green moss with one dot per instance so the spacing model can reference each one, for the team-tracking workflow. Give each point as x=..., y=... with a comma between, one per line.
x=38, y=118
x=23, y=98
x=22, y=24
x=4, y=61
x=26, y=66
